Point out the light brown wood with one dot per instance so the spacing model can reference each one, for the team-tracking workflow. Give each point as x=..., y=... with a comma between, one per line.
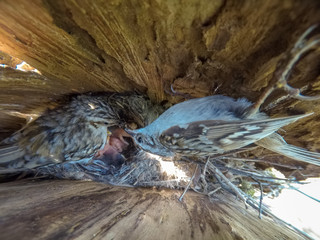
x=88, y=210
x=200, y=47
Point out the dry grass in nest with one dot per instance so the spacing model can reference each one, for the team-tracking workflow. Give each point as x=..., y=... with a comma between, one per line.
x=207, y=176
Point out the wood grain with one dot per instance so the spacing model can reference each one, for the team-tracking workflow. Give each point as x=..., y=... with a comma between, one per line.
x=35, y=209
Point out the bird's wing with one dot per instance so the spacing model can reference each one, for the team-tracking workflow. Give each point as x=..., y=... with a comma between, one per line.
x=218, y=136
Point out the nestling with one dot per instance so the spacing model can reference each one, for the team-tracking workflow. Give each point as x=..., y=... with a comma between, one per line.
x=77, y=130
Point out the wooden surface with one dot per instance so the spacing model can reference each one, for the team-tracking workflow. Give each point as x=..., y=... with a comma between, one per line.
x=88, y=210
x=201, y=47
x=124, y=45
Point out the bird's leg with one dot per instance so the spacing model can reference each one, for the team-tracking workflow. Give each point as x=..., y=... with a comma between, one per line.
x=284, y=68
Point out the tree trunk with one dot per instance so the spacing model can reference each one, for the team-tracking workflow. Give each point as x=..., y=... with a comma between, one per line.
x=196, y=47
x=89, y=210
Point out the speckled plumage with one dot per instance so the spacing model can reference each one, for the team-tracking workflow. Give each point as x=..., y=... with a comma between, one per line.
x=213, y=125
x=75, y=130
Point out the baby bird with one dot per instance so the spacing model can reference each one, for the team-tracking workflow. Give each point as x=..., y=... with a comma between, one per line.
x=76, y=130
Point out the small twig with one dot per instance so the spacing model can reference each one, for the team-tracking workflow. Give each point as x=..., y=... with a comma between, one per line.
x=261, y=197
x=188, y=186
x=100, y=165
x=216, y=89
x=261, y=160
x=125, y=176
x=203, y=175
x=38, y=171
x=202, y=193
x=214, y=191
x=251, y=174
x=217, y=156
x=284, y=68
x=299, y=172
x=205, y=166
x=307, y=195
x=252, y=202
x=236, y=190
x=171, y=182
x=173, y=92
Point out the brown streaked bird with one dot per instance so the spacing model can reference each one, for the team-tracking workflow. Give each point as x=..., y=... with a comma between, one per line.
x=218, y=124
x=77, y=130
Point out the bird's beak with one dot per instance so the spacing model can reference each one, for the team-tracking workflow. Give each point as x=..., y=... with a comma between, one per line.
x=132, y=135
x=130, y=132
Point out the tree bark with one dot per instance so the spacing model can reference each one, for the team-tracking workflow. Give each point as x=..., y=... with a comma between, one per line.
x=196, y=47
x=34, y=209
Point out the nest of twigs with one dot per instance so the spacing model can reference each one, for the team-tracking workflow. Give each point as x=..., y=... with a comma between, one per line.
x=235, y=173
x=238, y=173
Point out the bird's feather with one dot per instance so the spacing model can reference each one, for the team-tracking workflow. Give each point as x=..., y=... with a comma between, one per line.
x=9, y=153
x=216, y=136
x=75, y=130
x=276, y=143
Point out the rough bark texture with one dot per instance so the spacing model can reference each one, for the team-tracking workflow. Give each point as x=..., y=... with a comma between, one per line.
x=88, y=210
x=200, y=47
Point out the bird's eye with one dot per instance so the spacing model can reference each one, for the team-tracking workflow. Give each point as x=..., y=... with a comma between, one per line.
x=139, y=139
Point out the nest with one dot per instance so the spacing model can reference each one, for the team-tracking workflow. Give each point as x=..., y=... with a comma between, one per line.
x=236, y=173
x=239, y=173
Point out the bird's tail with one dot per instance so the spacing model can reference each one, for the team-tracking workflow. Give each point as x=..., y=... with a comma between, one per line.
x=276, y=143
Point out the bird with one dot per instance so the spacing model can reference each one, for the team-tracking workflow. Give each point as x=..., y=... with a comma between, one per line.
x=77, y=130
x=214, y=125
x=219, y=124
